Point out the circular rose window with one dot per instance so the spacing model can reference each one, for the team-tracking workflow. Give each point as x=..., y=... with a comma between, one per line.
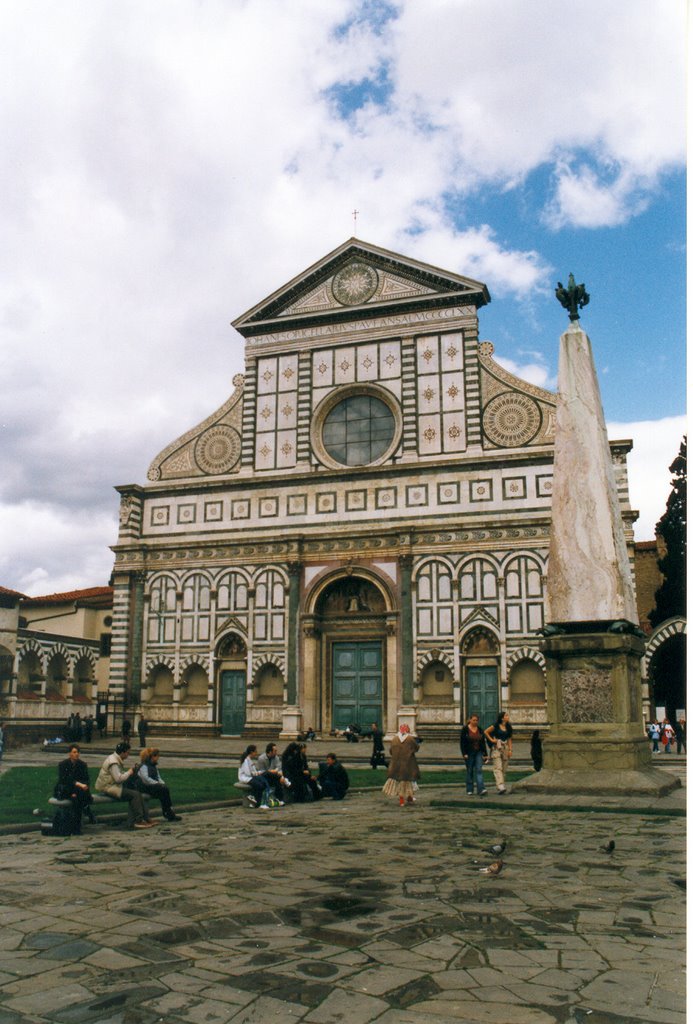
x=358, y=430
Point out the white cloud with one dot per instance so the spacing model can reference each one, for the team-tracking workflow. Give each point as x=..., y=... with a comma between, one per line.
x=655, y=446
x=535, y=372
x=165, y=166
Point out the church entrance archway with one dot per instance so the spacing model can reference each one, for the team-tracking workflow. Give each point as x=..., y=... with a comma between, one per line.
x=349, y=665
x=481, y=663
x=233, y=675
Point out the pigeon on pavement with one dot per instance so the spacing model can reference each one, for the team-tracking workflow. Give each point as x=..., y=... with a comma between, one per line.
x=492, y=869
x=498, y=848
x=608, y=847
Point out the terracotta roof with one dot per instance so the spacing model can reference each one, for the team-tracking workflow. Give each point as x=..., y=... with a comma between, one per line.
x=646, y=545
x=11, y=593
x=99, y=596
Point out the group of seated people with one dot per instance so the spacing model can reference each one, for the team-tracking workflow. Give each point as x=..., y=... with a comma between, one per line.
x=116, y=781
x=272, y=780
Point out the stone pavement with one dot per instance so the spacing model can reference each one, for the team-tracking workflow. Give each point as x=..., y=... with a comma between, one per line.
x=358, y=912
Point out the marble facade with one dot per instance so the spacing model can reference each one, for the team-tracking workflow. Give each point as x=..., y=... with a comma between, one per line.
x=362, y=528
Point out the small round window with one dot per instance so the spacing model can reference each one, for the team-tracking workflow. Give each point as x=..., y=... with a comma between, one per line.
x=358, y=430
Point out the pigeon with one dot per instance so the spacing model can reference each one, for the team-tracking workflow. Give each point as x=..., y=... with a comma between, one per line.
x=498, y=848
x=608, y=847
x=492, y=869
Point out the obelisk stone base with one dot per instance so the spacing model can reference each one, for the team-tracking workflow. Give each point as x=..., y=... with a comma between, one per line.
x=596, y=742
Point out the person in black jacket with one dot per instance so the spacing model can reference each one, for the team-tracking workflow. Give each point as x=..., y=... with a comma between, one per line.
x=332, y=778
x=475, y=754
x=535, y=750
x=378, y=753
x=304, y=786
x=73, y=785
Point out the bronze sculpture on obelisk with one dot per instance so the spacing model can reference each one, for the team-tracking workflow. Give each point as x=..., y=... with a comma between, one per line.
x=593, y=646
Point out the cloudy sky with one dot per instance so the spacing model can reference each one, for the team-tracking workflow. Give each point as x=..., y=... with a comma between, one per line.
x=166, y=165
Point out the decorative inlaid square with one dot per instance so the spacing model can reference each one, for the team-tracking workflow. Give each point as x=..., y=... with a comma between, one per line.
x=160, y=515
x=214, y=511
x=480, y=490
x=544, y=485
x=187, y=514
x=417, y=495
x=298, y=504
x=514, y=487
x=356, y=501
x=390, y=359
x=386, y=497
x=269, y=507
x=326, y=502
x=448, y=494
x=240, y=509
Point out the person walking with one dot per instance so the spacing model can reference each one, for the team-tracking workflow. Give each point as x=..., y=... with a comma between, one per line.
x=654, y=736
x=668, y=735
x=500, y=737
x=475, y=755
x=142, y=727
x=378, y=752
x=403, y=773
x=535, y=750
x=680, y=730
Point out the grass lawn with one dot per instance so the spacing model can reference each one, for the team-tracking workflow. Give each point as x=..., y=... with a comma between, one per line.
x=23, y=789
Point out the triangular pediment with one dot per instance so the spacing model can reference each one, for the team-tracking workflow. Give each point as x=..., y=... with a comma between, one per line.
x=359, y=278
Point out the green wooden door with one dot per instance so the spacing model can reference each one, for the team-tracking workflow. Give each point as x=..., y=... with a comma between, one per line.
x=482, y=693
x=357, y=684
x=232, y=702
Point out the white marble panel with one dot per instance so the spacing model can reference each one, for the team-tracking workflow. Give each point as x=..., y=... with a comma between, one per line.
x=452, y=388
x=367, y=362
x=319, y=394
x=389, y=568
x=266, y=376
x=390, y=360
x=344, y=365
x=454, y=432
x=393, y=386
x=451, y=352
x=286, y=411
x=288, y=372
x=429, y=435
x=264, y=451
x=322, y=368
x=266, y=415
x=427, y=355
x=286, y=448
x=428, y=386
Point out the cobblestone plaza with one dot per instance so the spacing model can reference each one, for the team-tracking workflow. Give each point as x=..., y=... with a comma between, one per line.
x=354, y=912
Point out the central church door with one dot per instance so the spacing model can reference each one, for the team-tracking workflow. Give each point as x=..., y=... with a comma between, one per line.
x=232, y=703
x=357, y=683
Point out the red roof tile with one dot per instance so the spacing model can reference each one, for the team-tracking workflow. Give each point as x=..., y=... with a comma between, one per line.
x=90, y=595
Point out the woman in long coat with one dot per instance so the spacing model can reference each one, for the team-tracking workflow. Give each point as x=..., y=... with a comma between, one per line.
x=403, y=773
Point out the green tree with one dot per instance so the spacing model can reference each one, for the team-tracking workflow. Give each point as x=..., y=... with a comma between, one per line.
x=670, y=598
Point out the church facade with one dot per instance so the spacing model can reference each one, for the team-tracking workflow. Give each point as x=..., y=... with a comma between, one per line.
x=359, y=533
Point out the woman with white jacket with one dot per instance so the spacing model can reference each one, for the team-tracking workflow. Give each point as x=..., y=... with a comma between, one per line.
x=251, y=776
